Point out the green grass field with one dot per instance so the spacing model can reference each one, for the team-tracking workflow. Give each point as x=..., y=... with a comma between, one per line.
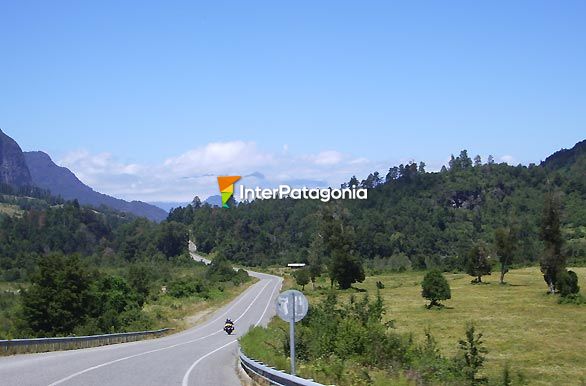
x=521, y=323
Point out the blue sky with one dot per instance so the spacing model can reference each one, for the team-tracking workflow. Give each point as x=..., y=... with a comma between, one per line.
x=139, y=98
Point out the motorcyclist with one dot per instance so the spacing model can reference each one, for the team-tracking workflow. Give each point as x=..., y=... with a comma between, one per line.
x=229, y=326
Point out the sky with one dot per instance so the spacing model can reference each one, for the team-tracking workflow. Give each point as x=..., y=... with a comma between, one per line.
x=151, y=100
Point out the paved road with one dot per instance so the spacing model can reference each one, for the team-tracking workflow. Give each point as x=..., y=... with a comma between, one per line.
x=195, y=256
x=202, y=355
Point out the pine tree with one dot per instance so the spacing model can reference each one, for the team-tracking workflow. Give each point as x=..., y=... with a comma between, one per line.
x=552, y=260
x=477, y=263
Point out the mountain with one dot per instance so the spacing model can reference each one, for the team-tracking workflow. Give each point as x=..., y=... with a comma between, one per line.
x=61, y=181
x=215, y=200
x=13, y=169
x=565, y=157
x=412, y=218
x=168, y=205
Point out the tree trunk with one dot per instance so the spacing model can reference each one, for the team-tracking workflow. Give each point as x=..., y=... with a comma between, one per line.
x=551, y=288
x=502, y=277
x=480, y=279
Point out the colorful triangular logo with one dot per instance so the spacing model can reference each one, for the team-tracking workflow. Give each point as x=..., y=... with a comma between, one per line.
x=226, y=184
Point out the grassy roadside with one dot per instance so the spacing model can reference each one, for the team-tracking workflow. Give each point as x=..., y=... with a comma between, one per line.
x=162, y=308
x=522, y=325
x=183, y=313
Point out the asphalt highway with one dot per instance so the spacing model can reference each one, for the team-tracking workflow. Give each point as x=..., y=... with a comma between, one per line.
x=202, y=355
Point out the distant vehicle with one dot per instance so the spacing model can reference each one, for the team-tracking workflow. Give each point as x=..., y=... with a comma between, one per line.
x=229, y=327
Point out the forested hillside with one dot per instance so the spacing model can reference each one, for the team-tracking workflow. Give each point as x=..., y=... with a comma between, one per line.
x=412, y=218
x=66, y=268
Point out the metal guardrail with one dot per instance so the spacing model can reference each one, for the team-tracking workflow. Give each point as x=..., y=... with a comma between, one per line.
x=16, y=346
x=271, y=375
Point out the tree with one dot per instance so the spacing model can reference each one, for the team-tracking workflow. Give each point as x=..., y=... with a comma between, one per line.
x=344, y=266
x=59, y=296
x=353, y=183
x=567, y=283
x=477, y=263
x=172, y=239
x=552, y=260
x=393, y=174
x=472, y=354
x=465, y=161
x=302, y=277
x=139, y=278
x=346, y=269
x=435, y=287
x=316, y=251
x=477, y=161
x=505, y=244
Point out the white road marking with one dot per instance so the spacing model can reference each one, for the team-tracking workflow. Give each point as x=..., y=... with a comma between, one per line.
x=186, y=376
x=60, y=381
x=268, y=304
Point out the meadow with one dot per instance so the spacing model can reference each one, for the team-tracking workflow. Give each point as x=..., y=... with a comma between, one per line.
x=521, y=323
x=543, y=342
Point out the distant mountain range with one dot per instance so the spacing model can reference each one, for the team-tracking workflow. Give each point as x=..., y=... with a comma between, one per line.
x=215, y=200
x=36, y=168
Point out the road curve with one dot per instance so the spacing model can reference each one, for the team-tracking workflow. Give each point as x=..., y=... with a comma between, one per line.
x=201, y=355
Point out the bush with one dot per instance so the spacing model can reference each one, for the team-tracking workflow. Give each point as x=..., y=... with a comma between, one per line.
x=302, y=277
x=435, y=287
x=567, y=283
x=186, y=287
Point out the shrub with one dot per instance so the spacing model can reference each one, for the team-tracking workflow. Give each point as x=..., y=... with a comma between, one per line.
x=567, y=283
x=185, y=287
x=302, y=277
x=435, y=287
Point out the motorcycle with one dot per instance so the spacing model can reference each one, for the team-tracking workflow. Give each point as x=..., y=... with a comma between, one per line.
x=229, y=327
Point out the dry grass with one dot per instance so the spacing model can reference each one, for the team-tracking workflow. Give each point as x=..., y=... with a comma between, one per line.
x=10, y=210
x=521, y=324
x=184, y=313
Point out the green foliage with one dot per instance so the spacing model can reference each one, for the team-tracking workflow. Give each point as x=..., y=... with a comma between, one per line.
x=172, y=239
x=429, y=218
x=65, y=297
x=507, y=380
x=302, y=277
x=435, y=287
x=552, y=260
x=59, y=297
x=186, y=287
x=348, y=343
x=477, y=263
x=505, y=245
x=472, y=354
x=567, y=283
x=140, y=278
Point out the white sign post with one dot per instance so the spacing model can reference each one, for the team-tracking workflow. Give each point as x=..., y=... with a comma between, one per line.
x=292, y=306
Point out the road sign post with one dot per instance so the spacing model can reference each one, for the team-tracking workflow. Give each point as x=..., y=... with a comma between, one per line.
x=292, y=333
x=292, y=306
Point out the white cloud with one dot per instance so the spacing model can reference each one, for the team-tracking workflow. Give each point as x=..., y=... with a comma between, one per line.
x=509, y=159
x=194, y=172
x=219, y=157
x=328, y=157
